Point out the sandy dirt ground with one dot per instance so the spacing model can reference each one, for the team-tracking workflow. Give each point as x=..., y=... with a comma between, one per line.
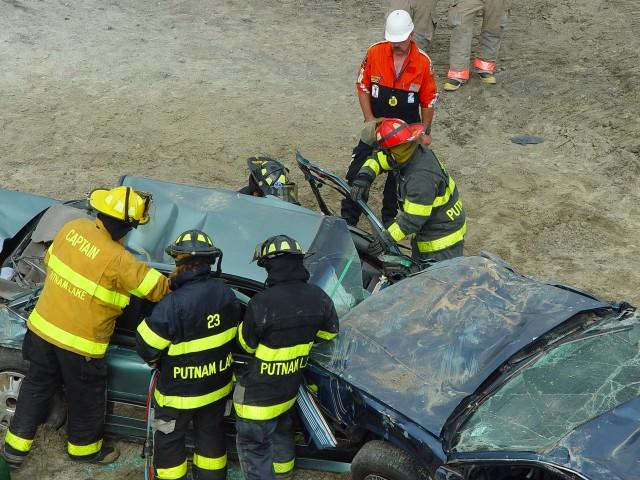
x=186, y=90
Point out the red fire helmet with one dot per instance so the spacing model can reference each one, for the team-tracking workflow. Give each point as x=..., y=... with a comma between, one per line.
x=392, y=132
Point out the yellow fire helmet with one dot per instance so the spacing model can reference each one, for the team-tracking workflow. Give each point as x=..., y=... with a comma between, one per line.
x=122, y=203
x=274, y=246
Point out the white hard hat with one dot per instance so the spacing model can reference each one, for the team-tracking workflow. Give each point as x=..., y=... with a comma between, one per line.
x=399, y=26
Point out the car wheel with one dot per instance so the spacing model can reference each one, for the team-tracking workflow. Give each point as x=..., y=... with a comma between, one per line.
x=378, y=460
x=13, y=368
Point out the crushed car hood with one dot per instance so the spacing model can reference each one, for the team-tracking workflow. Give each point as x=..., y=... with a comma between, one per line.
x=424, y=344
x=16, y=209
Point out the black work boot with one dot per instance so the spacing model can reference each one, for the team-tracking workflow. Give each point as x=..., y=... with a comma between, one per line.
x=13, y=460
x=106, y=455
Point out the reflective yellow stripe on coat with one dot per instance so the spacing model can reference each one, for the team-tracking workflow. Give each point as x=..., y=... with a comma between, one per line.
x=150, y=337
x=444, y=242
x=243, y=343
x=148, y=282
x=373, y=165
x=80, y=281
x=188, y=403
x=202, y=344
x=416, y=209
x=425, y=210
x=396, y=232
x=88, y=347
x=283, y=354
x=253, y=412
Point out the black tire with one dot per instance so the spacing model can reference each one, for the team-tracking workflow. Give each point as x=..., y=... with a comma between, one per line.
x=378, y=460
x=13, y=368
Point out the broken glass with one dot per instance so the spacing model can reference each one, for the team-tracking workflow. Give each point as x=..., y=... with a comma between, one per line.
x=567, y=386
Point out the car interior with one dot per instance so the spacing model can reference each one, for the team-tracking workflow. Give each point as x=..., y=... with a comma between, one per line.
x=140, y=308
x=25, y=265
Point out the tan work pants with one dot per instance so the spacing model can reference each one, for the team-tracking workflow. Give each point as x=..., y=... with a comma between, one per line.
x=494, y=20
x=423, y=14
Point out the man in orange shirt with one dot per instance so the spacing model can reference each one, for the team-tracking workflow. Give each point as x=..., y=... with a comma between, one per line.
x=395, y=81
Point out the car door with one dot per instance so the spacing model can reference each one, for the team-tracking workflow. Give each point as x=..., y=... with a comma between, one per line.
x=317, y=177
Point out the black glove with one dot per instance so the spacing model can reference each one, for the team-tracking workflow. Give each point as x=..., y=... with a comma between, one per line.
x=380, y=244
x=360, y=188
x=153, y=363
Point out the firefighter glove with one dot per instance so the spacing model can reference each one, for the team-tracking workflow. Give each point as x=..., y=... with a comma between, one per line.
x=380, y=244
x=360, y=188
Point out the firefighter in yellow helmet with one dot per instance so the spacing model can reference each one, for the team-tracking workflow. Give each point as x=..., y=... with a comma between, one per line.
x=90, y=279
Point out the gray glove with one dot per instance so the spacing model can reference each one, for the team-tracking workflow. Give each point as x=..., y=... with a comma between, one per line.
x=380, y=244
x=360, y=188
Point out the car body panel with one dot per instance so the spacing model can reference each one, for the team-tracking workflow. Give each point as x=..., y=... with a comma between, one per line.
x=235, y=222
x=352, y=407
x=129, y=375
x=426, y=343
x=607, y=447
x=12, y=328
x=17, y=209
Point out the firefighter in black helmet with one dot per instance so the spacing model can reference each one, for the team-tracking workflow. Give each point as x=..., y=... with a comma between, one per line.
x=279, y=328
x=189, y=338
x=270, y=177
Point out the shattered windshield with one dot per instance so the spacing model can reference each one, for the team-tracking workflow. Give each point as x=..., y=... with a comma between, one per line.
x=334, y=265
x=580, y=379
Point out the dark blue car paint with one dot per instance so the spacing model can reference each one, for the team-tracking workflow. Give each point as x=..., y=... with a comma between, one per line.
x=607, y=447
x=425, y=344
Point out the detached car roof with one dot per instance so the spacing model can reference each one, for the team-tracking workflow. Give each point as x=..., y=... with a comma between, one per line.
x=235, y=222
x=424, y=344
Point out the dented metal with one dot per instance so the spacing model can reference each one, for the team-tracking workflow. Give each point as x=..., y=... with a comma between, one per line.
x=428, y=342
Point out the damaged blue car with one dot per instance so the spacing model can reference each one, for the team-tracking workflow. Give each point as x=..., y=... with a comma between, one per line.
x=467, y=370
